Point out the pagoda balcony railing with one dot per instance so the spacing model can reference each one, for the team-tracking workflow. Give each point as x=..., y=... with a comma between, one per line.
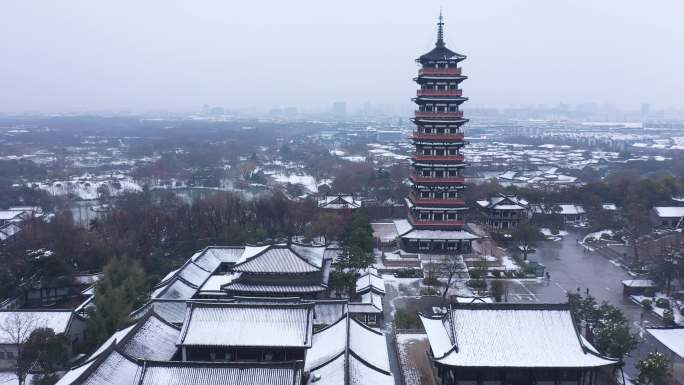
x=429, y=92
x=457, y=180
x=434, y=158
x=438, y=114
x=453, y=71
x=433, y=201
x=431, y=223
x=424, y=136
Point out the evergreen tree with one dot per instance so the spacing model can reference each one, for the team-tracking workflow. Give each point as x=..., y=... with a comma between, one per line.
x=653, y=370
x=45, y=352
x=122, y=289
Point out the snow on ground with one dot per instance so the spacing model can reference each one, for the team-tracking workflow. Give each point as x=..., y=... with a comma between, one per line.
x=659, y=311
x=508, y=263
x=86, y=187
x=598, y=235
x=415, y=366
x=550, y=235
x=308, y=181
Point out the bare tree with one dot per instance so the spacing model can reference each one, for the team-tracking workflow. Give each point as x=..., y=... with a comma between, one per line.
x=15, y=329
x=451, y=265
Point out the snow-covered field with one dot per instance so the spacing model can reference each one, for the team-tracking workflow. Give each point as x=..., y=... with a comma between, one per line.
x=308, y=181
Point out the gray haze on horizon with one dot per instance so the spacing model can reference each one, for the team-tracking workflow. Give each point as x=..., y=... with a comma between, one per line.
x=60, y=56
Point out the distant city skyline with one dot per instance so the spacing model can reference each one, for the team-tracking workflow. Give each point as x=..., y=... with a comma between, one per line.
x=78, y=55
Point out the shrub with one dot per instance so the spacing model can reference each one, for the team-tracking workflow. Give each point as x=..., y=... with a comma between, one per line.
x=555, y=231
x=647, y=304
x=681, y=311
x=406, y=320
x=663, y=303
x=428, y=291
x=475, y=274
x=409, y=273
x=668, y=317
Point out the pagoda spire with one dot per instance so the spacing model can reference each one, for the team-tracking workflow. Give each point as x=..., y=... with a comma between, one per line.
x=440, y=30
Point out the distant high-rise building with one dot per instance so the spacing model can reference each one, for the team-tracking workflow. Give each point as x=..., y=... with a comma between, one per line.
x=645, y=109
x=435, y=205
x=340, y=108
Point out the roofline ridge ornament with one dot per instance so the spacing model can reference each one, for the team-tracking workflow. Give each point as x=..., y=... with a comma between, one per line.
x=440, y=30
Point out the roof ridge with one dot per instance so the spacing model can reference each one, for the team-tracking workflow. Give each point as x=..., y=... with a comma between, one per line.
x=368, y=364
x=331, y=325
x=304, y=259
x=378, y=332
x=336, y=356
x=264, y=249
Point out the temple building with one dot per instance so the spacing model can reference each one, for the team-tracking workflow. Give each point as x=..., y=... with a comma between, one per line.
x=503, y=212
x=435, y=220
x=513, y=344
x=271, y=270
x=339, y=202
x=279, y=272
x=250, y=341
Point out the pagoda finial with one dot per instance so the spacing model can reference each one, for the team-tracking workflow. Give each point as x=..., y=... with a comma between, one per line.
x=440, y=30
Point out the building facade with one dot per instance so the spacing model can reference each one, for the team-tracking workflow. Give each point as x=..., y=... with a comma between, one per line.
x=504, y=212
x=435, y=204
x=520, y=344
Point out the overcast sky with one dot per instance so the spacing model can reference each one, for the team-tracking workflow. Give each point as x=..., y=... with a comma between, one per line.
x=59, y=56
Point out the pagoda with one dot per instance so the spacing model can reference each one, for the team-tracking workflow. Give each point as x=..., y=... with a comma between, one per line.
x=435, y=220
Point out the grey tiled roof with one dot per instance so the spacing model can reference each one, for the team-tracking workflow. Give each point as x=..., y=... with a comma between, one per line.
x=240, y=287
x=247, y=325
x=277, y=259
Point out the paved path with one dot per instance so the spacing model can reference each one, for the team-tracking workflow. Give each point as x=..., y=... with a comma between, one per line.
x=572, y=267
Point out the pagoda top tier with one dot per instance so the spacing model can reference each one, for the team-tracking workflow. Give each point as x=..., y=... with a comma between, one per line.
x=440, y=52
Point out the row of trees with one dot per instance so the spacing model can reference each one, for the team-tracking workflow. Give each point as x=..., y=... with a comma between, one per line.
x=160, y=230
x=608, y=330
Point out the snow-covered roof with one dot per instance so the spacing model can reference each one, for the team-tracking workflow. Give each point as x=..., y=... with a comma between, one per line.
x=247, y=325
x=214, y=283
x=9, y=230
x=643, y=283
x=113, y=367
x=609, y=206
x=222, y=254
x=440, y=234
x=386, y=231
x=509, y=335
x=6, y=215
x=370, y=281
x=176, y=288
x=403, y=226
x=669, y=212
x=110, y=368
x=57, y=320
x=570, y=209
x=372, y=302
x=672, y=338
x=340, y=201
x=281, y=259
x=327, y=312
x=150, y=338
x=367, y=358
x=170, y=310
x=504, y=202
x=247, y=287
x=222, y=373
